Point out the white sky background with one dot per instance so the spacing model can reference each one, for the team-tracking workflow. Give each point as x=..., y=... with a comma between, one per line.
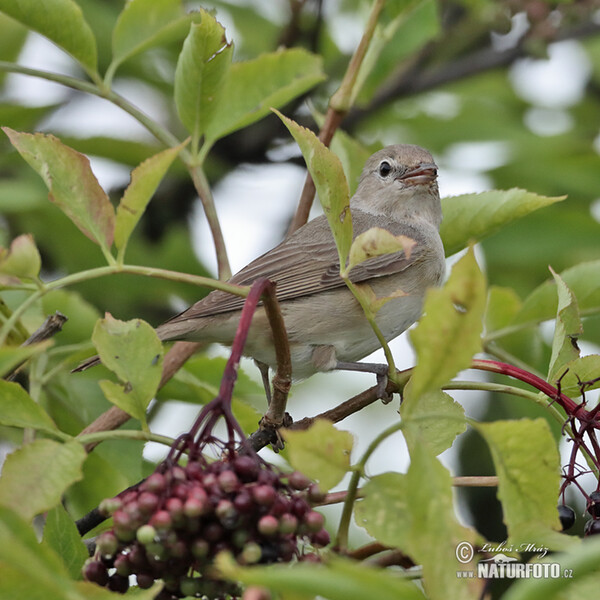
x=254, y=200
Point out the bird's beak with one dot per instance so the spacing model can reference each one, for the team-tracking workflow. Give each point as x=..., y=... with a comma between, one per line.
x=424, y=173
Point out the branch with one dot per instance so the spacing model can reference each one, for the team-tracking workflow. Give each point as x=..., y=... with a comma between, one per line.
x=282, y=381
x=50, y=327
x=339, y=105
x=418, y=79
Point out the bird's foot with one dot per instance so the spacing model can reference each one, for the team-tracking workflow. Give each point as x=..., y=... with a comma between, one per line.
x=380, y=370
x=276, y=440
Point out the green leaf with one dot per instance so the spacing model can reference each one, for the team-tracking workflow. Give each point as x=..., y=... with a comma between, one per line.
x=584, y=281
x=62, y=22
x=330, y=182
x=528, y=468
x=567, y=329
x=375, y=242
x=17, y=409
x=336, y=579
x=436, y=420
x=577, y=562
x=322, y=452
x=255, y=86
x=449, y=333
x=35, y=476
x=144, y=181
x=578, y=372
x=143, y=24
x=414, y=512
x=22, y=260
x=134, y=353
x=72, y=185
x=201, y=74
x=12, y=356
x=60, y=534
x=471, y=217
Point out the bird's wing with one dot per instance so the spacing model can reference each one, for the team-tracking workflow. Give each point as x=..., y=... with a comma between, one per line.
x=300, y=267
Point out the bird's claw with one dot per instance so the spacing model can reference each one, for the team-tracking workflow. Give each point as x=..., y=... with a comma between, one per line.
x=382, y=393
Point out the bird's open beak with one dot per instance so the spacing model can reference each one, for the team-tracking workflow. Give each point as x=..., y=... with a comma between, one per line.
x=422, y=174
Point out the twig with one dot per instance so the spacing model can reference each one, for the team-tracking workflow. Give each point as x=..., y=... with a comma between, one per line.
x=413, y=82
x=50, y=327
x=283, y=376
x=208, y=203
x=339, y=105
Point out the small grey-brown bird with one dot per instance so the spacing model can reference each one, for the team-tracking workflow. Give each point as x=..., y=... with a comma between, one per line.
x=325, y=324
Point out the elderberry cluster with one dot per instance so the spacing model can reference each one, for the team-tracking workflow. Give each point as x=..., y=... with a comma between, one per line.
x=173, y=525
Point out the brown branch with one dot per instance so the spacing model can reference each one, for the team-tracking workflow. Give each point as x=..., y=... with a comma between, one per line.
x=418, y=78
x=50, y=327
x=282, y=381
x=475, y=481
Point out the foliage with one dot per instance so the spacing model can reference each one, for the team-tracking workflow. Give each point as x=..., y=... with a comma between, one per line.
x=424, y=72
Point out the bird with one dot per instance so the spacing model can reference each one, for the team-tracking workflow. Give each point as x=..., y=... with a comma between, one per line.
x=326, y=326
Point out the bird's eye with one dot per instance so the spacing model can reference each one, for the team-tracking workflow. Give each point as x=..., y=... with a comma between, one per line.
x=385, y=168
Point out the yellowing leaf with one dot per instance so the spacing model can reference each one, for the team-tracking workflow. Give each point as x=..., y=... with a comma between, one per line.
x=414, y=512
x=566, y=331
x=72, y=185
x=528, y=469
x=328, y=174
x=435, y=419
x=375, y=242
x=321, y=452
x=449, y=333
x=144, y=181
x=134, y=353
x=22, y=259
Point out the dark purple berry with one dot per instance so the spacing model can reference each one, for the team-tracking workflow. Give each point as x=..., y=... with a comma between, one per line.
x=122, y=565
x=118, y=583
x=243, y=502
x=314, y=521
x=195, y=507
x=320, y=538
x=315, y=495
x=161, y=520
x=246, y=468
x=147, y=502
x=156, y=483
x=298, y=481
x=264, y=494
x=145, y=581
x=594, y=505
x=95, y=572
x=213, y=532
x=287, y=523
x=300, y=507
x=268, y=525
x=592, y=527
x=567, y=516
x=228, y=481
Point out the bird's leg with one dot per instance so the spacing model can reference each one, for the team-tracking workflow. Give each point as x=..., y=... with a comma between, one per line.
x=380, y=370
x=264, y=373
